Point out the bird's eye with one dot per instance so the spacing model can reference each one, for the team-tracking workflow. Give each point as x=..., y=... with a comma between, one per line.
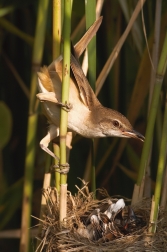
x=116, y=124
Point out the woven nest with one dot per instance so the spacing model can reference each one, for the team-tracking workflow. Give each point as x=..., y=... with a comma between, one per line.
x=71, y=237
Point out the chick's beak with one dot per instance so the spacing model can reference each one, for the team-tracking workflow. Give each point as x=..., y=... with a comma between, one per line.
x=134, y=134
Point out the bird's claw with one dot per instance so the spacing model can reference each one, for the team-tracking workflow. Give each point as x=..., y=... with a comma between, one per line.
x=66, y=106
x=61, y=168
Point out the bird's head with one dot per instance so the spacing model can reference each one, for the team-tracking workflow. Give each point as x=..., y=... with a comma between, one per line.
x=115, y=124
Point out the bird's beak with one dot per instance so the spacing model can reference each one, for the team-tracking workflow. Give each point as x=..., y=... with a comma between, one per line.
x=134, y=134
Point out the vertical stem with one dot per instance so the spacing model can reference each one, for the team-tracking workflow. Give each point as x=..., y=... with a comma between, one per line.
x=90, y=8
x=153, y=111
x=28, y=183
x=163, y=194
x=32, y=125
x=46, y=184
x=56, y=149
x=93, y=172
x=155, y=47
x=65, y=94
x=160, y=173
x=90, y=19
x=56, y=28
x=147, y=188
x=56, y=53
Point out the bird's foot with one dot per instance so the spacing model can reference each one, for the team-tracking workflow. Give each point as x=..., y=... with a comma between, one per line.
x=61, y=168
x=66, y=106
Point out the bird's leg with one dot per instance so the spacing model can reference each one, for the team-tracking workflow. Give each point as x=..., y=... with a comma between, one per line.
x=68, y=144
x=64, y=168
x=53, y=132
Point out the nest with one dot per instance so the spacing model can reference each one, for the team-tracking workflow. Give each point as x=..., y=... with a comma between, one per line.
x=72, y=235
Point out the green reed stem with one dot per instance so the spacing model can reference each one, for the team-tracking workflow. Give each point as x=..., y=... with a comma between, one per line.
x=160, y=172
x=153, y=111
x=65, y=99
x=56, y=52
x=32, y=125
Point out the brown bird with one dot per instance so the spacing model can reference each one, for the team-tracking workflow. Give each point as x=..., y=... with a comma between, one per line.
x=86, y=116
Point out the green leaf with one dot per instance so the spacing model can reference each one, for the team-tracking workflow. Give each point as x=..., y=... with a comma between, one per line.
x=10, y=201
x=5, y=125
x=6, y=10
x=129, y=173
x=8, y=26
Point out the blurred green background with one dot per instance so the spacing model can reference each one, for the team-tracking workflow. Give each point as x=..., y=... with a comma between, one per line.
x=131, y=69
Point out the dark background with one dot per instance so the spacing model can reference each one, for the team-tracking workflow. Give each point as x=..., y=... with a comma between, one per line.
x=116, y=93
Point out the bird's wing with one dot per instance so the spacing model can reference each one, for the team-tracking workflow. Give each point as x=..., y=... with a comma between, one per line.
x=86, y=93
x=89, y=34
x=51, y=76
x=80, y=46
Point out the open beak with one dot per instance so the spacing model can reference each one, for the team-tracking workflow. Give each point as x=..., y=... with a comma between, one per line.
x=134, y=134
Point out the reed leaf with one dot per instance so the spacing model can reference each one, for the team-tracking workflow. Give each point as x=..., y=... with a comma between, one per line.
x=9, y=202
x=129, y=173
x=6, y=10
x=136, y=29
x=17, y=76
x=14, y=30
x=105, y=71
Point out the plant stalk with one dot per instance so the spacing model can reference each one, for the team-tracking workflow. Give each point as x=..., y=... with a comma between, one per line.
x=65, y=99
x=90, y=8
x=32, y=125
x=153, y=111
x=160, y=172
x=56, y=52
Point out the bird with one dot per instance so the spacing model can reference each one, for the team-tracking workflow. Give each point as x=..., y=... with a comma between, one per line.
x=133, y=222
x=96, y=227
x=82, y=230
x=114, y=208
x=86, y=115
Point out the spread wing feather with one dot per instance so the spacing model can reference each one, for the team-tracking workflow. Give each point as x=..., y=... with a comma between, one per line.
x=86, y=93
x=90, y=33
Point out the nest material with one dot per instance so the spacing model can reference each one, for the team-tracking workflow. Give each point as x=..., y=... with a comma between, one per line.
x=54, y=238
